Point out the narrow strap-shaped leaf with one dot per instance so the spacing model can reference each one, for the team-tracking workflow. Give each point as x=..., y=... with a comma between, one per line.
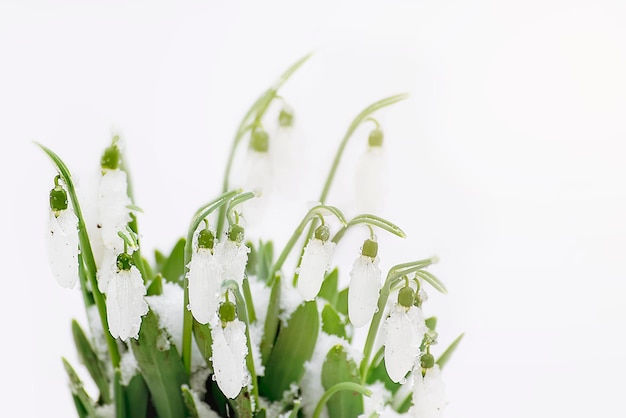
x=190, y=402
x=329, y=291
x=91, y=361
x=339, y=368
x=270, y=328
x=431, y=322
x=443, y=358
x=163, y=371
x=137, y=397
x=78, y=391
x=332, y=323
x=174, y=267
x=294, y=346
x=204, y=341
x=120, y=398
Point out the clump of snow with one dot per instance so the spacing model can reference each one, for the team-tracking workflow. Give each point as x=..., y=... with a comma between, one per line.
x=169, y=308
x=105, y=411
x=290, y=299
x=256, y=335
x=98, y=341
x=128, y=367
x=198, y=379
x=261, y=296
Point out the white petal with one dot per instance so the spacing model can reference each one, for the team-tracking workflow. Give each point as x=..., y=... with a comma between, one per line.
x=125, y=303
x=233, y=258
x=63, y=247
x=229, y=357
x=113, y=214
x=428, y=394
x=365, y=283
x=107, y=270
x=404, y=332
x=315, y=263
x=204, y=285
x=371, y=180
x=257, y=178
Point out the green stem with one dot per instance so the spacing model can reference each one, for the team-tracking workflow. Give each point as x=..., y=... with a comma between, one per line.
x=360, y=118
x=351, y=386
x=258, y=109
x=393, y=276
x=86, y=254
x=369, y=220
x=198, y=218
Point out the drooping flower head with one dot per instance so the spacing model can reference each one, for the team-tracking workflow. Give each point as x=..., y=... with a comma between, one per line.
x=371, y=175
x=125, y=302
x=204, y=279
x=429, y=399
x=258, y=176
x=229, y=349
x=232, y=255
x=365, y=284
x=62, y=238
x=113, y=201
x=404, y=331
x=316, y=260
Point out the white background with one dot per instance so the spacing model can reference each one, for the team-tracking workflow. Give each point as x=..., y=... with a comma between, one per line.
x=507, y=162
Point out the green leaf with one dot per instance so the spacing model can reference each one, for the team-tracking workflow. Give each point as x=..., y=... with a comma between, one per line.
x=160, y=260
x=247, y=294
x=190, y=402
x=443, y=358
x=156, y=286
x=253, y=258
x=120, y=399
x=242, y=404
x=204, y=341
x=78, y=391
x=270, y=328
x=329, y=291
x=332, y=323
x=431, y=322
x=91, y=361
x=80, y=409
x=260, y=414
x=294, y=346
x=174, y=267
x=163, y=371
x=137, y=398
x=266, y=259
x=342, y=302
x=339, y=368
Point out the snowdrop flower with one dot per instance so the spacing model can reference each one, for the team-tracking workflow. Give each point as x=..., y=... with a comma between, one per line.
x=365, y=284
x=124, y=299
x=257, y=176
x=404, y=331
x=284, y=152
x=315, y=263
x=371, y=175
x=113, y=201
x=229, y=349
x=62, y=239
x=204, y=279
x=232, y=255
x=428, y=393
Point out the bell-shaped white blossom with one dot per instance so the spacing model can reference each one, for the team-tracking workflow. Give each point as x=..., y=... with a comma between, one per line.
x=371, y=180
x=363, y=291
x=204, y=285
x=125, y=303
x=404, y=331
x=230, y=349
x=315, y=263
x=232, y=257
x=257, y=177
x=428, y=394
x=113, y=212
x=107, y=269
x=62, y=242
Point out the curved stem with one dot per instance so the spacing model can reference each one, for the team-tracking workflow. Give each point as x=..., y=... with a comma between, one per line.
x=369, y=220
x=86, y=254
x=198, y=218
x=351, y=386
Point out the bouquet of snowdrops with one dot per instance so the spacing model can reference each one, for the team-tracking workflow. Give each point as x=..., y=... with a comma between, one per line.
x=219, y=327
